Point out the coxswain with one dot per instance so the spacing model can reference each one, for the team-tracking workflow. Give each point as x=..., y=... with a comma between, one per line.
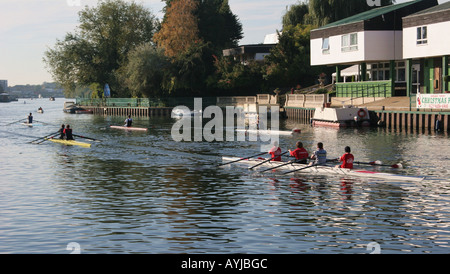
x=30, y=118
x=68, y=133
x=61, y=132
x=346, y=159
x=128, y=121
x=300, y=153
x=320, y=155
x=275, y=151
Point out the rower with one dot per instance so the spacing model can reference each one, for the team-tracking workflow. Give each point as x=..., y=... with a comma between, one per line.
x=128, y=121
x=300, y=153
x=320, y=155
x=275, y=151
x=68, y=133
x=61, y=132
x=346, y=159
x=30, y=118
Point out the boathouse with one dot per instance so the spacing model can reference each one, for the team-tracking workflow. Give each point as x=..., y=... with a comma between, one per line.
x=426, y=49
x=373, y=41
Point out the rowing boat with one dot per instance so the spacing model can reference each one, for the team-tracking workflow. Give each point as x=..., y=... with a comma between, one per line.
x=269, y=132
x=129, y=128
x=69, y=142
x=323, y=170
x=31, y=125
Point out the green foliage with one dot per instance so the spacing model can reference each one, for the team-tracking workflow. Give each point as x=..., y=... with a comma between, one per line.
x=100, y=45
x=323, y=12
x=146, y=71
x=289, y=61
x=233, y=76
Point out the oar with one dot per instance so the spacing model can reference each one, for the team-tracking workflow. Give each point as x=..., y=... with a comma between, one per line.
x=295, y=170
x=53, y=134
x=379, y=163
x=245, y=158
x=43, y=122
x=265, y=161
x=16, y=121
x=285, y=164
x=87, y=138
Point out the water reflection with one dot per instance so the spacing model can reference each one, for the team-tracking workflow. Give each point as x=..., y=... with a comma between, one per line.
x=144, y=193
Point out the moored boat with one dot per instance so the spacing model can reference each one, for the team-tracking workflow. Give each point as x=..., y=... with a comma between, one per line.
x=322, y=170
x=341, y=117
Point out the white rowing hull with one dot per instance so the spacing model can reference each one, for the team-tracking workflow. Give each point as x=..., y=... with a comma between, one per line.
x=322, y=170
x=268, y=132
x=130, y=128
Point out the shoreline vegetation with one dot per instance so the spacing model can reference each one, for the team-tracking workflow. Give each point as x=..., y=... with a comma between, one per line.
x=124, y=45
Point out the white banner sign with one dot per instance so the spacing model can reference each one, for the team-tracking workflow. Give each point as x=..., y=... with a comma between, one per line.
x=439, y=101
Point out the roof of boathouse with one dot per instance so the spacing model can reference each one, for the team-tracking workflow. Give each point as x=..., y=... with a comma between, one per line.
x=382, y=18
x=436, y=14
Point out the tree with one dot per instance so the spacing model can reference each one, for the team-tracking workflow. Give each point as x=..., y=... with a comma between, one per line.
x=179, y=29
x=289, y=61
x=100, y=45
x=146, y=72
x=323, y=12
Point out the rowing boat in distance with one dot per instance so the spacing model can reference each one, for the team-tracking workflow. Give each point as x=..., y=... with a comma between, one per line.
x=130, y=128
x=31, y=124
x=322, y=170
x=270, y=132
x=69, y=142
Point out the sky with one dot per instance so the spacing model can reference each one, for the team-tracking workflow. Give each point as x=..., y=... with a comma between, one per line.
x=29, y=27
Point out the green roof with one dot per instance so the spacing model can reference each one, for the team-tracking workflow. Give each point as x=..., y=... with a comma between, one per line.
x=441, y=7
x=369, y=14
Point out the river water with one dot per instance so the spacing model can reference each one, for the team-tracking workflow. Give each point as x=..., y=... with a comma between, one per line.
x=142, y=192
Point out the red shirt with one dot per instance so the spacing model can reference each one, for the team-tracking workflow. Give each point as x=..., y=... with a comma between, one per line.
x=347, y=160
x=275, y=152
x=300, y=153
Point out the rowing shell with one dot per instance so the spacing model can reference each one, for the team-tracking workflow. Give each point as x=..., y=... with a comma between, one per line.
x=323, y=170
x=30, y=125
x=269, y=132
x=130, y=128
x=70, y=142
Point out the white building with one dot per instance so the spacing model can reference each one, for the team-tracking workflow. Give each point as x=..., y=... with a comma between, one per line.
x=373, y=41
x=426, y=47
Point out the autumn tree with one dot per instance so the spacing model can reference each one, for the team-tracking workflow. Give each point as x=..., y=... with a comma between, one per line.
x=179, y=29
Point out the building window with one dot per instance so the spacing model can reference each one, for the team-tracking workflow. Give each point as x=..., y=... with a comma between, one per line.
x=422, y=35
x=349, y=42
x=326, y=45
x=380, y=71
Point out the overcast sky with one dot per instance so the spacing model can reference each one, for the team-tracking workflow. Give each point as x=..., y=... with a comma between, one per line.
x=29, y=27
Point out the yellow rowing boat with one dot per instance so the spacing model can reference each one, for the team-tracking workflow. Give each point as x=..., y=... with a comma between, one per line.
x=70, y=142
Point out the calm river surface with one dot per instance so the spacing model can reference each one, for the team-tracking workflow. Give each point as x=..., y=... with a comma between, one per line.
x=142, y=192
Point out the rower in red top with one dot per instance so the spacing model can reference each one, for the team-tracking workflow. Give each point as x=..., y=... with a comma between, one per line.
x=300, y=153
x=275, y=151
x=68, y=133
x=346, y=159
